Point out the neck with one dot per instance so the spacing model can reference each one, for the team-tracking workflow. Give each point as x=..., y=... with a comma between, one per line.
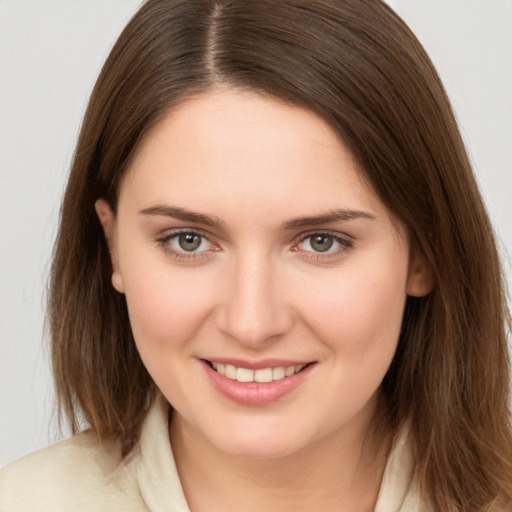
x=341, y=473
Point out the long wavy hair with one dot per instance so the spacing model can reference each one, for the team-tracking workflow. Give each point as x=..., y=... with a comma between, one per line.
x=358, y=66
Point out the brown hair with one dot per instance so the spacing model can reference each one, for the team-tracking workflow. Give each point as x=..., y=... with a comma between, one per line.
x=355, y=63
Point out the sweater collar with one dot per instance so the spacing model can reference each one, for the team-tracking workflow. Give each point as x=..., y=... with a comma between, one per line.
x=158, y=478
x=160, y=485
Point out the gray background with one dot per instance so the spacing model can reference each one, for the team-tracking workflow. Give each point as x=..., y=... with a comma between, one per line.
x=50, y=53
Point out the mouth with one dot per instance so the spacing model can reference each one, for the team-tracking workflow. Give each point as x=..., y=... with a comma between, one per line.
x=260, y=375
x=266, y=382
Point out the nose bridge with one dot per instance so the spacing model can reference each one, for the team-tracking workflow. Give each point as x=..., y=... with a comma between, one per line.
x=255, y=308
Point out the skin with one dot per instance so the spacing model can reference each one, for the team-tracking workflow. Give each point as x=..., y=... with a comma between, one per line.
x=255, y=290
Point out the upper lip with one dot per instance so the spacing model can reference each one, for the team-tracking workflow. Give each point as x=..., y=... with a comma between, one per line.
x=257, y=364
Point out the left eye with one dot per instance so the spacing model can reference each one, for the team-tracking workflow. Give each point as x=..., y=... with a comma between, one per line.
x=189, y=242
x=320, y=242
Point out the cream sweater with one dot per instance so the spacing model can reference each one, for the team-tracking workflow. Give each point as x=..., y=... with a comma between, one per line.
x=81, y=475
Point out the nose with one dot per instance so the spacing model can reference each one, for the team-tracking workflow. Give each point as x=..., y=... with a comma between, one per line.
x=254, y=309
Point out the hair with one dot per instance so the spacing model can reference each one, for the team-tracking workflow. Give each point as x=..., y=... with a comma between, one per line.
x=359, y=67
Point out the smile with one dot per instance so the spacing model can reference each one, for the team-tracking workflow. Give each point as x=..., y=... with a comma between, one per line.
x=266, y=382
x=260, y=375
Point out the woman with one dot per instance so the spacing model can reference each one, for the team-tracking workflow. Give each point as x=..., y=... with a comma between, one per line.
x=275, y=286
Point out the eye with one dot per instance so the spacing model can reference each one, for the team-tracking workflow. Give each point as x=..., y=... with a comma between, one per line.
x=321, y=243
x=324, y=243
x=186, y=244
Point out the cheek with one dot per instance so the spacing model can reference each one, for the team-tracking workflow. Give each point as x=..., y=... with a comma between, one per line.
x=361, y=316
x=358, y=322
x=166, y=307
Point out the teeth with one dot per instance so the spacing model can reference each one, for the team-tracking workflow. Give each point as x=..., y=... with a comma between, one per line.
x=230, y=372
x=261, y=375
x=278, y=373
x=244, y=375
x=219, y=367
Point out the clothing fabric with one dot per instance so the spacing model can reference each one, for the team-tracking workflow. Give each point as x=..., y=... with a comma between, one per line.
x=82, y=475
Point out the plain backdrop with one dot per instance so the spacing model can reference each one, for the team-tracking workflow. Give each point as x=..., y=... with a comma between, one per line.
x=50, y=54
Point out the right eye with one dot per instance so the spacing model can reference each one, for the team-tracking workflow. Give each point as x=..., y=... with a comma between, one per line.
x=189, y=242
x=186, y=244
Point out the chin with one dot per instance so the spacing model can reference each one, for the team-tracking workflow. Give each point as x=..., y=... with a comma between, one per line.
x=261, y=449
x=259, y=441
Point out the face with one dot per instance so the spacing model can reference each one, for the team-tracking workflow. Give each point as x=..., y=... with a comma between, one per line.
x=265, y=281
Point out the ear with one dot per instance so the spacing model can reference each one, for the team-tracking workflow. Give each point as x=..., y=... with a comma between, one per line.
x=108, y=223
x=419, y=280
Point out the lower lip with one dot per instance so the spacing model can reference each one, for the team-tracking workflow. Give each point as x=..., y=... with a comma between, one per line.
x=255, y=393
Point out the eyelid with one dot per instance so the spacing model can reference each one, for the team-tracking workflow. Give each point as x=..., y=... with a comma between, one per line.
x=164, y=241
x=346, y=243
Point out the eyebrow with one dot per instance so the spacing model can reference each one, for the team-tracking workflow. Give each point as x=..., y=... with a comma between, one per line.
x=182, y=214
x=339, y=215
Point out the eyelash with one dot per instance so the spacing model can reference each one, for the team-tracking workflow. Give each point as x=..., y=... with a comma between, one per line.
x=345, y=245
x=183, y=255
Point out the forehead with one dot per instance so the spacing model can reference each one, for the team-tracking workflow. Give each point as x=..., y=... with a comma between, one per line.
x=248, y=151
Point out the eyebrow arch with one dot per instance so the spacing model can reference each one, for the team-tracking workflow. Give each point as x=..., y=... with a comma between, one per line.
x=181, y=214
x=327, y=218
x=314, y=220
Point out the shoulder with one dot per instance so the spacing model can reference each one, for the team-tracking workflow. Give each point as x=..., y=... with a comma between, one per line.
x=77, y=474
